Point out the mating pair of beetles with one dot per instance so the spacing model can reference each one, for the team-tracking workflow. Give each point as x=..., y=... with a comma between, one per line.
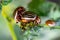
x=28, y=19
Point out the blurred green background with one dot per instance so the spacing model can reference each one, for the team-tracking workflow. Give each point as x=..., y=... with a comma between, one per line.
x=43, y=8
x=4, y=30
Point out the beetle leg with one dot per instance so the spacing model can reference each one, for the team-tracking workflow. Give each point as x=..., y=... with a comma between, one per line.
x=38, y=20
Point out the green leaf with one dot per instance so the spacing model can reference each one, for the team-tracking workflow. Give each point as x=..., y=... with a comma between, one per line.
x=34, y=5
x=40, y=7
